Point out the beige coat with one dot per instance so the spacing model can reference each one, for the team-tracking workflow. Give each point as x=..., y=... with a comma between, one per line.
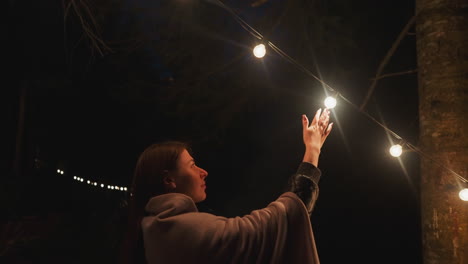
x=175, y=232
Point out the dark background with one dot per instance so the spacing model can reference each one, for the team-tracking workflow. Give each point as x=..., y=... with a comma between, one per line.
x=184, y=70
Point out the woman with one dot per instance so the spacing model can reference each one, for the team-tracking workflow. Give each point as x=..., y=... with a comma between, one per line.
x=164, y=219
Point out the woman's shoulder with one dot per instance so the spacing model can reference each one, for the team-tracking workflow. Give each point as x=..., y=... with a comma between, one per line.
x=176, y=203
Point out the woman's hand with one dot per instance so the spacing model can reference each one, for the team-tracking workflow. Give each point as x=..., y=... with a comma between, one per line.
x=314, y=135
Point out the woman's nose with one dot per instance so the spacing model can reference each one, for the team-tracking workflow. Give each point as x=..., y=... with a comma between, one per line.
x=203, y=173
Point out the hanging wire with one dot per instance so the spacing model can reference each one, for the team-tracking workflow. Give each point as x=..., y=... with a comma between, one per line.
x=302, y=68
x=257, y=34
x=417, y=150
x=395, y=135
x=239, y=20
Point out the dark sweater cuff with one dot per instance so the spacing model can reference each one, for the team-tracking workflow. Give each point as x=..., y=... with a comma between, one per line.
x=309, y=170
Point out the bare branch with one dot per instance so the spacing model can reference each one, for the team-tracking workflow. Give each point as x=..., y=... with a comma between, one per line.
x=88, y=23
x=394, y=74
x=384, y=62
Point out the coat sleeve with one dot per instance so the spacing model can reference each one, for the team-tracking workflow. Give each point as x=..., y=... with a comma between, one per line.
x=268, y=235
x=305, y=184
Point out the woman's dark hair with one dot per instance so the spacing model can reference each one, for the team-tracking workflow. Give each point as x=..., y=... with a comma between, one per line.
x=147, y=182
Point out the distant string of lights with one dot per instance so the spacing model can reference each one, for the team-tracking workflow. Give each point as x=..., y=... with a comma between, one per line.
x=95, y=183
x=396, y=150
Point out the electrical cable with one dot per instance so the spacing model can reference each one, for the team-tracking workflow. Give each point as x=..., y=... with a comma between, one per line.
x=258, y=35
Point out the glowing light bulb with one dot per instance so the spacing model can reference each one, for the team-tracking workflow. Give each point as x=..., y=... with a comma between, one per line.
x=61, y=172
x=330, y=102
x=102, y=185
x=74, y=177
x=464, y=194
x=88, y=182
x=125, y=188
x=95, y=184
x=396, y=150
x=58, y=171
x=259, y=51
x=81, y=179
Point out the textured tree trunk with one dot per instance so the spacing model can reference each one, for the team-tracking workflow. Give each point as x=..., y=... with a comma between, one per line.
x=442, y=50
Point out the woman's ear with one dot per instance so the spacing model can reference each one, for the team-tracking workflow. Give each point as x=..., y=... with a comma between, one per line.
x=169, y=182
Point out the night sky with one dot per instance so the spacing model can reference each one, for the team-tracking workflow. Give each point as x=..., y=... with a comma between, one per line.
x=184, y=70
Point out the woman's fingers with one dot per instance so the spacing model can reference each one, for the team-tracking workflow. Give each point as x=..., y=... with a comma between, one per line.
x=317, y=131
x=320, y=121
x=317, y=117
x=305, y=122
x=323, y=121
x=327, y=132
x=329, y=128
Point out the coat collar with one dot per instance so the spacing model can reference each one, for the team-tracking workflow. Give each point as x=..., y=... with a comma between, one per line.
x=171, y=204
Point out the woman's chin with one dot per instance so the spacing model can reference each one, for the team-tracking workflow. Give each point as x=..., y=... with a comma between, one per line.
x=200, y=198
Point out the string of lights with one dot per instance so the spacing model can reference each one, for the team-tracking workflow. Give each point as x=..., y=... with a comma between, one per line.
x=330, y=102
x=395, y=150
x=95, y=183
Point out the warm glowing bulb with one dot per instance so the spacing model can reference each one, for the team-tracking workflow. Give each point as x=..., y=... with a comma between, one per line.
x=125, y=188
x=61, y=172
x=464, y=194
x=330, y=102
x=259, y=51
x=88, y=182
x=81, y=179
x=74, y=177
x=95, y=184
x=102, y=185
x=58, y=171
x=396, y=150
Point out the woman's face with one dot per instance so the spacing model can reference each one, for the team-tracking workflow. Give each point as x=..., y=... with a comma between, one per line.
x=189, y=179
